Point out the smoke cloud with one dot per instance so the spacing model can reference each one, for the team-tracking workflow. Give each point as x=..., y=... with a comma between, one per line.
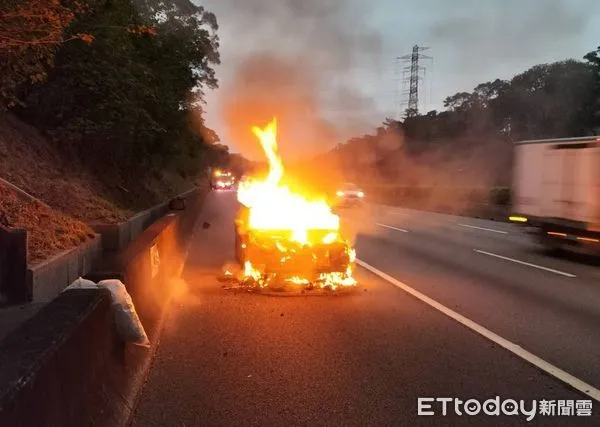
x=512, y=29
x=476, y=41
x=296, y=64
x=300, y=60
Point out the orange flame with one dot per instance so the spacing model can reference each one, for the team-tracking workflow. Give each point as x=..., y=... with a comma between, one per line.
x=273, y=206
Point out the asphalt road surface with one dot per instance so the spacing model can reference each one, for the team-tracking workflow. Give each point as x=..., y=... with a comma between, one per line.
x=439, y=300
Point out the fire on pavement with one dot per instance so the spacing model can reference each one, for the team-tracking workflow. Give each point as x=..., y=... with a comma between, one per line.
x=286, y=239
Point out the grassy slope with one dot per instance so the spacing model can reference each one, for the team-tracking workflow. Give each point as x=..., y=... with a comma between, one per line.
x=75, y=196
x=30, y=162
x=49, y=231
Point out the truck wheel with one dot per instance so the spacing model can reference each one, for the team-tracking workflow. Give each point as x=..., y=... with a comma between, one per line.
x=551, y=245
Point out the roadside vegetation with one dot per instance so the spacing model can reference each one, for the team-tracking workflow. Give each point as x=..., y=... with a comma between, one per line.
x=101, y=107
x=461, y=158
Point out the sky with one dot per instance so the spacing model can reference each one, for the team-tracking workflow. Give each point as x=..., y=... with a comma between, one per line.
x=328, y=69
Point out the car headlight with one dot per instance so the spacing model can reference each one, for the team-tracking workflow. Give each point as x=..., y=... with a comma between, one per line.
x=340, y=193
x=361, y=194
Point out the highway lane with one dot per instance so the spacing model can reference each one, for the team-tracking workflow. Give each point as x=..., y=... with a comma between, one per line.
x=362, y=359
x=473, y=231
x=495, y=239
x=548, y=305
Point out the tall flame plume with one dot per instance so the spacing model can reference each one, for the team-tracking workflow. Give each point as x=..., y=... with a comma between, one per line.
x=274, y=207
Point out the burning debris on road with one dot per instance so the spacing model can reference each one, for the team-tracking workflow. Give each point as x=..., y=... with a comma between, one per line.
x=286, y=240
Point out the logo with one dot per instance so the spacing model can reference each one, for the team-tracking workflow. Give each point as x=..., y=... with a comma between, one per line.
x=429, y=406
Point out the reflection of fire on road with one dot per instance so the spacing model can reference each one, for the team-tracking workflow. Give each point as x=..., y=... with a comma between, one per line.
x=285, y=238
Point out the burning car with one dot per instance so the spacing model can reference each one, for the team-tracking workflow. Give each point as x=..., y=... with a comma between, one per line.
x=287, y=238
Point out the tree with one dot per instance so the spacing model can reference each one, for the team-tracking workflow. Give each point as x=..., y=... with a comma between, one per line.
x=489, y=91
x=592, y=108
x=31, y=31
x=461, y=101
x=547, y=101
x=127, y=101
x=391, y=124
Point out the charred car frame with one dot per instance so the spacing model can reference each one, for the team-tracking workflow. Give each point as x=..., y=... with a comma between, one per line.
x=273, y=252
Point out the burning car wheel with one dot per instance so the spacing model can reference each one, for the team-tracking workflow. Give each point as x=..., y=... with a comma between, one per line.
x=240, y=252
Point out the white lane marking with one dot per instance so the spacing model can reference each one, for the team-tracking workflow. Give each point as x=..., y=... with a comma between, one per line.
x=508, y=345
x=484, y=229
x=551, y=270
x=392, y=228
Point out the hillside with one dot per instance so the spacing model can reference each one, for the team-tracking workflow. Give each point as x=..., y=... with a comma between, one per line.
x=101, y=111
x=70, y=197
x=33, y=164
x=49, y=231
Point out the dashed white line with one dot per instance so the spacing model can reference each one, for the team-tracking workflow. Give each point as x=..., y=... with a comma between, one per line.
x=392, y=228
x=508, y=345
x=539, y=267
x=484, y=229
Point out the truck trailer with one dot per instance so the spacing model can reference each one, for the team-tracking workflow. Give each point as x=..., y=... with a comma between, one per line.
x=556, y=192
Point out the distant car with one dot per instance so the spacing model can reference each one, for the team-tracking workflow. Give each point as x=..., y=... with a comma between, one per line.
x=349, y=194
x=224, y=185
x=222, y=180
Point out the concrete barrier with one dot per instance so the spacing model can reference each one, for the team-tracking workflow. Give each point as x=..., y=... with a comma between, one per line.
x=47, y=279
x=66, y=366
x=51, y=365
x=116, y=237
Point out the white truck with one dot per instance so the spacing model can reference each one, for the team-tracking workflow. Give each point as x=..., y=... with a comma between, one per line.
x=556, y=191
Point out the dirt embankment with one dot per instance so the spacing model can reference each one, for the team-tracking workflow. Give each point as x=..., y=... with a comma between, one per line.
x=71, y=197
x=49, y=231
x=31, y=162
